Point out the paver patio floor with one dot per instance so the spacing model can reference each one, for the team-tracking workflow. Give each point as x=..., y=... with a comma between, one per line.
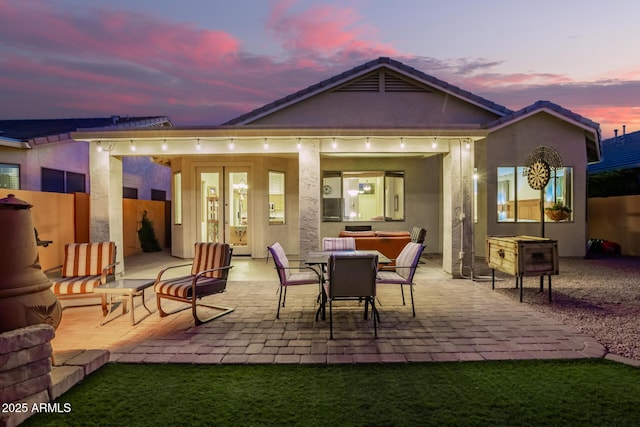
x=455, y=320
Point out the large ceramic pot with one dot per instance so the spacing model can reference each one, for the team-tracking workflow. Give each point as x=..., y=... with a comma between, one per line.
x=25, y=291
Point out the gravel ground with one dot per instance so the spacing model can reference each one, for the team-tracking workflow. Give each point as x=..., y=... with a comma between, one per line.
x=599, y=296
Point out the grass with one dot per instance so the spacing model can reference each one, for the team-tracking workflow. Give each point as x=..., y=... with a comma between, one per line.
x=519, y=393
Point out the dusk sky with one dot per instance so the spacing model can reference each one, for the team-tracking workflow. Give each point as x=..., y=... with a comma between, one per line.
x=202, y=62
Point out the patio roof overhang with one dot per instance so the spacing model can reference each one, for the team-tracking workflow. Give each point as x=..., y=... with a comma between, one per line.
x=248, y=139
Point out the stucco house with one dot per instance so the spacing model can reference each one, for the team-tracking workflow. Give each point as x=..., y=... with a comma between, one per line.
x=40, y=155
x=383, y=145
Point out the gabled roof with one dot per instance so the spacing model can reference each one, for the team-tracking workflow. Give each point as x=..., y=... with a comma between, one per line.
x=49, y=130
x=591, y=128
x=358, y=71
x=618, y=153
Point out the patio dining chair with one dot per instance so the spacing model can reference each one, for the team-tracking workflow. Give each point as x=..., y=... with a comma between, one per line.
x=403, y=271
x=338, y=244
x=351, y=277
x=209, y=272
x=291, y=275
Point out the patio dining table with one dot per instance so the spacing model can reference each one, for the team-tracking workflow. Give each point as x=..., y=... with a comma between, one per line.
x=322, y=257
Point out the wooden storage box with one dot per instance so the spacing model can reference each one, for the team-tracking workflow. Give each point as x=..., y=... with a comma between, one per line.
x=523, y=255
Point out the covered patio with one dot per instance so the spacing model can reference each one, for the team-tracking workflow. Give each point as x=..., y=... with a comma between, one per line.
x=456, y=320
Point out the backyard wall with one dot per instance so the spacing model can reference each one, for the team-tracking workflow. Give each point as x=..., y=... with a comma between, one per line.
x=132, y=211
x=616, y=219
x=64, y=218
x=53, y=215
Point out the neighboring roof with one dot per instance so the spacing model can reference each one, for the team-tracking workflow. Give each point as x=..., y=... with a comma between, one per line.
x=341, y=78
x=618, y=153
x=594, y=153
x=58, y=129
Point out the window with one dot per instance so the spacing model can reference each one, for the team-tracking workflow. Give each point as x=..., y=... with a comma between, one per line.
x=129, y=193
x=276, y=197
x=58, y=181
x=52, y=180
x=363, y=196
x=9, y=176
x=160, y=195
x=177, y=203
x=518, y=202
x=75, y=182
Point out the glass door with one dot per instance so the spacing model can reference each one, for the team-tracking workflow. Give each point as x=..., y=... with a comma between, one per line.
x=223, y=206
x=238, y=212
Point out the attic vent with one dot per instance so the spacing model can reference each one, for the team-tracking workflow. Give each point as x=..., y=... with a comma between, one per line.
x=368, y=83
x=393, y=83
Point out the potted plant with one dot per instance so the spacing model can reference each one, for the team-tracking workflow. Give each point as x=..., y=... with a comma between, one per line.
x=558, y=212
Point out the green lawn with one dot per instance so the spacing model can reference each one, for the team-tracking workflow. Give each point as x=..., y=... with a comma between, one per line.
x=520, y=393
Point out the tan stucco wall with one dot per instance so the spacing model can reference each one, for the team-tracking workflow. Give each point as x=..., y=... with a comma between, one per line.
x=261, y=232
x=378, y=110
x=53, y=216
x=510, y=146
x=132, y=211
x=616, y=219
x=68, y=155
x=423, y=194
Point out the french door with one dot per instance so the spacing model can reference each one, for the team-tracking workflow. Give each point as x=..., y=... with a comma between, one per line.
x=224, y=207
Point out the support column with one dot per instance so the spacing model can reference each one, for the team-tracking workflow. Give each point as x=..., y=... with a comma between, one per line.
x=457, y=251
x=105, y=223
x=309, y=195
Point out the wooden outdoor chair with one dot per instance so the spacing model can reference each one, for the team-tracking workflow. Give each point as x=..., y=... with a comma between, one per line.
x=86, y=265
x=403, y=270
x=209, y=272
x=291, y=275
x=351, y=277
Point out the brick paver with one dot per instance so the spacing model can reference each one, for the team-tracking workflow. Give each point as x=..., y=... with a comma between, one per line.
x=456, y=320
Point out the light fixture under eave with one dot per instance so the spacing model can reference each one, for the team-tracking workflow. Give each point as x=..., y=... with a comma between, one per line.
x=198, y=146
x=231, y=145
x=434, y=144
x=368, y=144
x=334, y=144
x=105, y=146
x=402, y=143
x=266, y=144
x=133, y=147
x=299, y=145
x=164, y=145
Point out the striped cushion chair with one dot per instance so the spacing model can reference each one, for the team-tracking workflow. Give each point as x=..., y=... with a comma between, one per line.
x=403, y=271
x=338, y=244
x=291, y=275
x=209, y=272
x=86, y=265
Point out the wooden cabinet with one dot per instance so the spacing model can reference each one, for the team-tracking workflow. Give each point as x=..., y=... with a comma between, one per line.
x=523, y=256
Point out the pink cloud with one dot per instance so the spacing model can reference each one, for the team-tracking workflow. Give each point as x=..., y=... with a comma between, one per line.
x=323, y=31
